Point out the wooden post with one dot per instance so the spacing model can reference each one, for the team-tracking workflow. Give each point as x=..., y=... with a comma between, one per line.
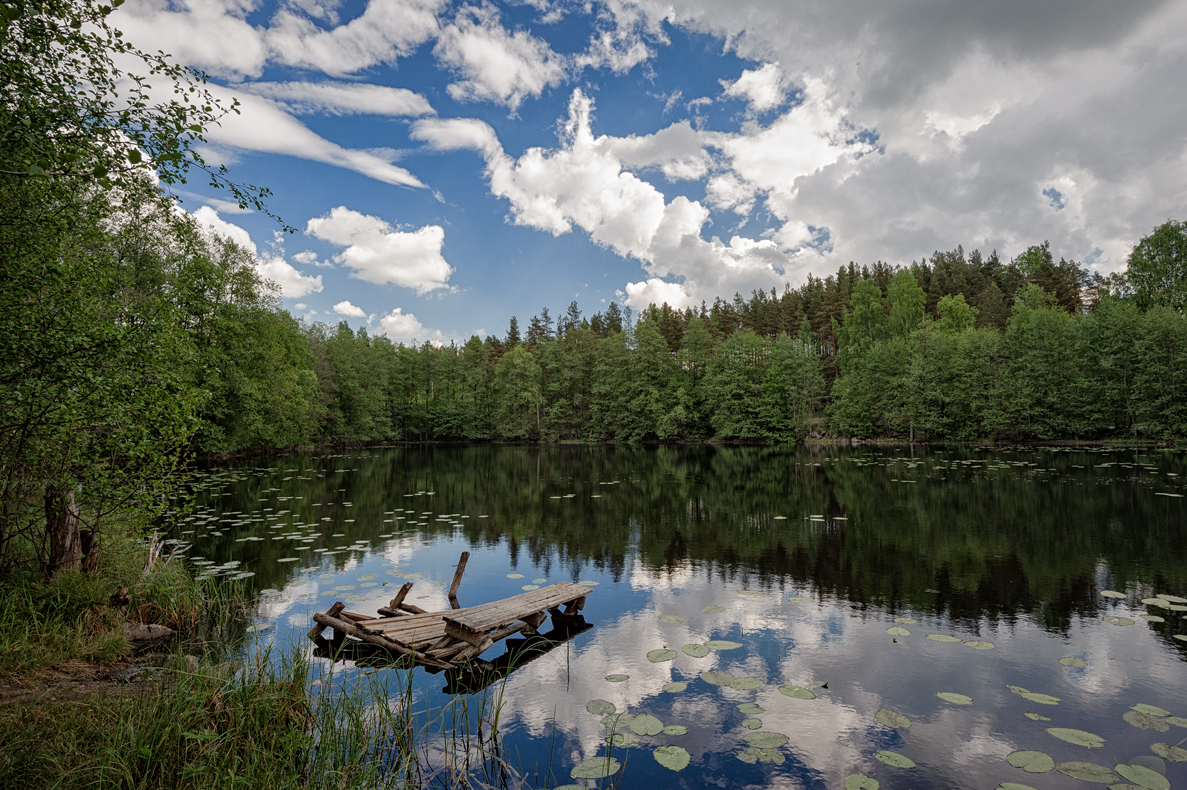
x=393, y=607
x=457, y=580
x=333, y=612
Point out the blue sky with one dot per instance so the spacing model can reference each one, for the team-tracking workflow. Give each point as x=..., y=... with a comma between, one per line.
x=450, y=164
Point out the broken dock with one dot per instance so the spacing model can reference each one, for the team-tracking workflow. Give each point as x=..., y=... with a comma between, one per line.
x=453, y=638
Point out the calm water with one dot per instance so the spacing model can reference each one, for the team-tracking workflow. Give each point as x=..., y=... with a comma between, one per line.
x=811, y=554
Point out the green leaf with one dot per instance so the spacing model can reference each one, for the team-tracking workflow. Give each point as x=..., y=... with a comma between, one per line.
x=954, y=698
x=752, y=724
x=672, y=757
x=597, y=768
x=1087, y=772
x=722, y=644
x=696, y=650
x=1072, y=661
x=1078, y=737
x=894, y=759
x=766, y=740
x=1144, y=721
x=860, y=782
x=646, y=725
x=1150, y=710
x=1031, y=761
x=796, y=692
x=895, y=630
x=675, y=687
x=1143, y=776
x=943, y=638
x=134, y=156
x=673, y=618
x=1176, y=754
x=675, y=729
x=600, y=707
x=745, y=684
x=717, y=677
x=661, y=655
x=893, y=719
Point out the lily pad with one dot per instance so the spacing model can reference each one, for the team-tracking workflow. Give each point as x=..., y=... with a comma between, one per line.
x=1144, y=721
x=894, y=759
x=756, y=755
x=1155, y=601
x=796, y=692
x=1114, y=620
x=895, y=630
x=673, y=618
x=722, y=644
x=1013, y=786
x=617, y=678
x=1032, y=762
x=530, y=587
x=1180, y=637
x=1088, y=772
x=1037, y=716
x=860, y=782
x=1112, y=594
x=717, y=678
x=751, y=592
x=660, y=655
x=892, y=719
x=1178, y=721
x=766, y=740
x=745, y=684
x=615, y=720
x=597, y=768
x=675, y=729
x=514, y=575
x=713, y=609
x=1176, y=754
x=1078, y=737
x=1172, y=598
x=696, y=650
x=1152, y=618
x=954, y=698
x=600, y=707
x=944, y=638
x=1150, y=710
x=675, y=687
x=672, y=757
x=979, y=644
x=1042, y=699
x=647, y=725
x=752, y=724
x=751, y=709
x=1143, y=776
x=623, y=739
x=799, y=599
x=1072, y=661
x=906, y=620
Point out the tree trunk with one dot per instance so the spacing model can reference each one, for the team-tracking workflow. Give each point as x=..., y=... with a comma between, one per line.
x=61, y=521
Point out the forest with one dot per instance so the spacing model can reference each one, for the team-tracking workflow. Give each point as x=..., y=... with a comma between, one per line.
x=132, y=339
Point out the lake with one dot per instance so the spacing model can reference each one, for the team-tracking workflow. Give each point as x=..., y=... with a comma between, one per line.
x=907, y=616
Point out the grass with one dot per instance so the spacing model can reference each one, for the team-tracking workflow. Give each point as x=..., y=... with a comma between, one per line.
x=47, y=625
x=262, y=726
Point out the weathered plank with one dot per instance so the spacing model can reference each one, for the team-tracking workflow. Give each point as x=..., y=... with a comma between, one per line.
x=483, y=618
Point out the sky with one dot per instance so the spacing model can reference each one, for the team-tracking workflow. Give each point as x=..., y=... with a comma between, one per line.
x=450, y=164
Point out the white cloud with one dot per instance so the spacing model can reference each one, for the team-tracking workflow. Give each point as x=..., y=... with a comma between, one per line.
x=213, y=35
x=380, y=254
x=348, y=309
x=210, y=218
x=496, y=65
x=263, y=126
x=385, y=31
x=340, y=98
x=677, y=150
x=292, y=283
x=583, y=183
x=762, y=88
x=620, y=41
x=405, y=328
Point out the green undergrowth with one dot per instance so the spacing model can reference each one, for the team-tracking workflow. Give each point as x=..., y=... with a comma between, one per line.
x=265, y=725
x=44, y=625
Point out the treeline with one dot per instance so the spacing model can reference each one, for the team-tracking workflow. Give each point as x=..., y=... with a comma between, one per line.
x=957, y=347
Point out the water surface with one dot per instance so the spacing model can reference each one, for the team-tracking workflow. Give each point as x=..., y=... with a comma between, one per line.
x=811, y=555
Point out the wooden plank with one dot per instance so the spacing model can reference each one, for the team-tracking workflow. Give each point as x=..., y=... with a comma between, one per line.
x=347, y=627
x=318, y=627
x=355, y=617
x=457, y=580
x=480, y=619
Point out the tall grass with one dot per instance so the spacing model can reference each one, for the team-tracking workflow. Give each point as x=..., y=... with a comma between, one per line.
x=266, y=725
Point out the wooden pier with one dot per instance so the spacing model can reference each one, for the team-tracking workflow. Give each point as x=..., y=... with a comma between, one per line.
x=455, y=637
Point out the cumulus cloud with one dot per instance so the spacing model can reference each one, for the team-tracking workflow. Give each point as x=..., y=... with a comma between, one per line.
x=406, y=328
x=348, y=309
x=380, y=254
x=292, y=283
x=496, y=65
x=761, y=88
x=385, y=31
x=583, y=183
x=340, y=98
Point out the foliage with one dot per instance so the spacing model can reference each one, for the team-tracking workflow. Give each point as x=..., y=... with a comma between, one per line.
x=1157, y=270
